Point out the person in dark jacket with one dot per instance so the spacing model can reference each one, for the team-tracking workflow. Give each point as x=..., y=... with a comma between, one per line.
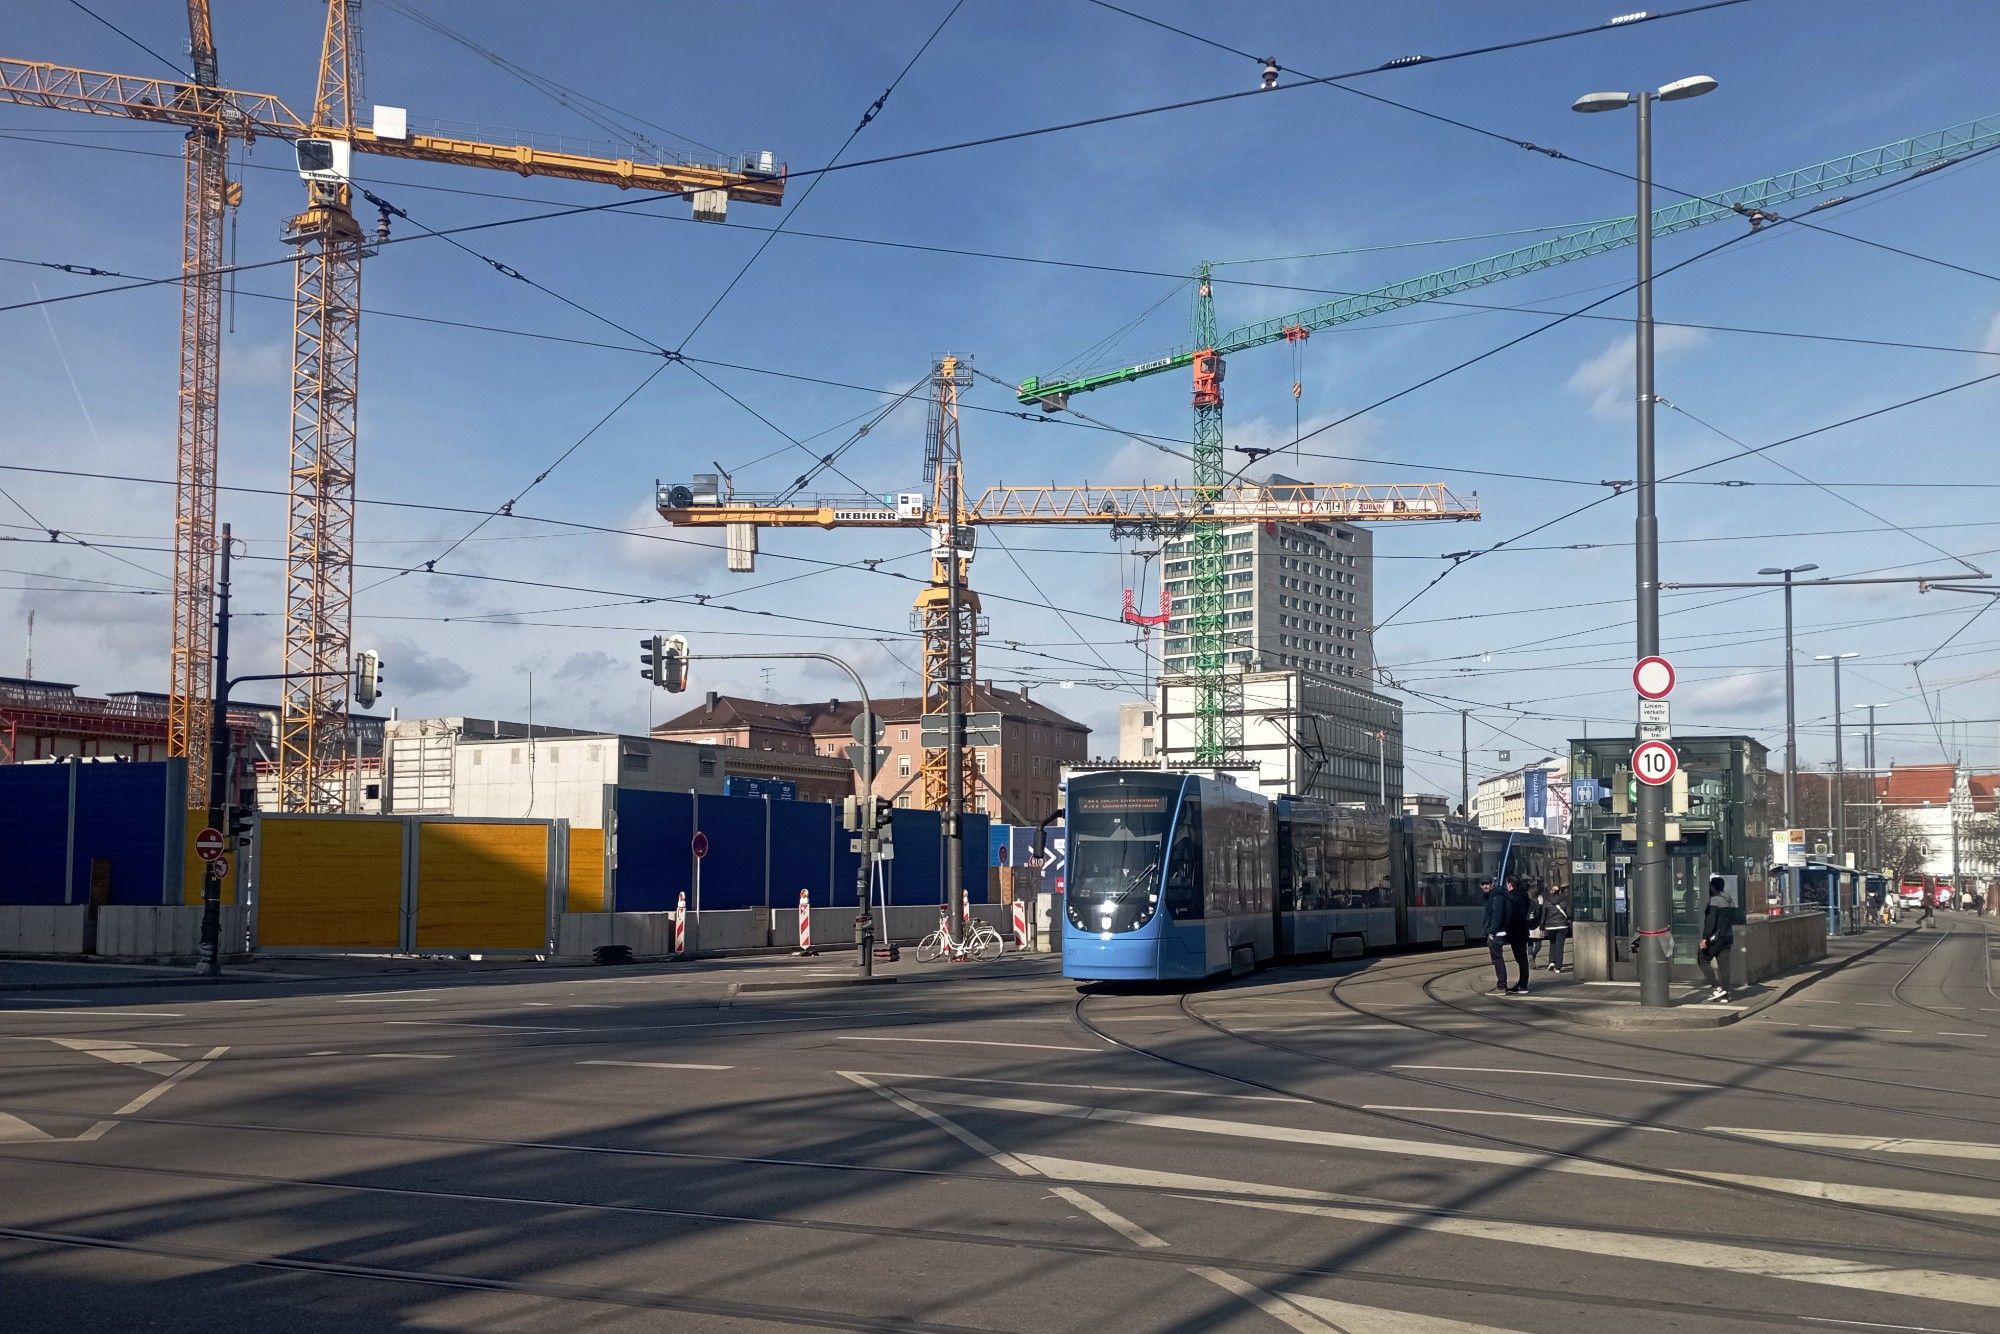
x=1495, y=925
x=1519, y=915
x=1718, y=933
x=1555, y=925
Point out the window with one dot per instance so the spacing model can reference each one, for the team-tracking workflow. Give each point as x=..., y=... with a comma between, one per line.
x=639, y=762
x=1146, y=748
x=1148, y=717
x=478, y=758
x=903, y=803
x=902, y=734
x=979, y=804
x=707, y=766
x=903, y=764
x=372, y=791
x=979, y=761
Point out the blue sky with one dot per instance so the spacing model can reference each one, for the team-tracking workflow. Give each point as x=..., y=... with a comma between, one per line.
x=458, y=417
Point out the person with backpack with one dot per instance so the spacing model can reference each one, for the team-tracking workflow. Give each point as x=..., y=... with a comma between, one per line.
x=1519, y=913
x=1718, y=934
x=1556, y=925
x=1495, y=926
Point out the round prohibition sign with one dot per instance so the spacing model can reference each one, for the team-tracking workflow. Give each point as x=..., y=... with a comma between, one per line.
x=1655, y=763
x=1653, y=677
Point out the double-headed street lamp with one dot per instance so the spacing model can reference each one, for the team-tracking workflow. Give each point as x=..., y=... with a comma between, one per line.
x=1839, y=757
x=1791, y=693
x=1651, y=892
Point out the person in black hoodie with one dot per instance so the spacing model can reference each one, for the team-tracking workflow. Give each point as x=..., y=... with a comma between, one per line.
x=1495, y=925
x=1718, y=934
x=1520, y=915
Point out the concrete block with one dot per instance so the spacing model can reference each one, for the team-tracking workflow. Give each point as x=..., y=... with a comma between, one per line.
x=43, y=929
x=126, y=931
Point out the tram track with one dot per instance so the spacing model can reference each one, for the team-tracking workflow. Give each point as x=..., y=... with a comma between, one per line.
x=1951, y=934
x=1513, y=1144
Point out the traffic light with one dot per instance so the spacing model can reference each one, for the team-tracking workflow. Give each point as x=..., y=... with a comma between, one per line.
x=652, y=658
x=674, y=664
x=367, y=678
x=850, y=814
x=885, y=812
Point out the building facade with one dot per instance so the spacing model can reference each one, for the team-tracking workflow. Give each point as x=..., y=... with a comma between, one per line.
x=1018, y=779
x=1535, y=795
x=1138, y=731
x=1295, y=597
x=1938, y=800
x=1303, y=734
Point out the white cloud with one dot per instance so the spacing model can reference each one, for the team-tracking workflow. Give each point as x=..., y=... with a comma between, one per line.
x=1605, y=383
x=1742, y=690
x=1991, y=342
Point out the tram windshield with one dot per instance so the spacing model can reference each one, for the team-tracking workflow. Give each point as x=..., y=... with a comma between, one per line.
x=1115, y=841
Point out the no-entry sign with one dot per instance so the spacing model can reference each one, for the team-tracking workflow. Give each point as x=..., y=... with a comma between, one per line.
x=700, y=845
x=1655, y=763
x=1653, y=677
x=210, y=846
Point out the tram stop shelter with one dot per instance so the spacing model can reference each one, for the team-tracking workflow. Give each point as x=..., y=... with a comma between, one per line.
x=1718, y=823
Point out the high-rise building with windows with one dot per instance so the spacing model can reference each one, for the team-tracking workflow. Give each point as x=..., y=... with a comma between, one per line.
x=1296, y=597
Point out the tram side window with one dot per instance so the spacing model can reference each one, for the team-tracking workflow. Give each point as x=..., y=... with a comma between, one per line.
x=1184, y=878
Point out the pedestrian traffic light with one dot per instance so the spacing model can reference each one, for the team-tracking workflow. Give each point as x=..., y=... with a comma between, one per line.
x=367, y=678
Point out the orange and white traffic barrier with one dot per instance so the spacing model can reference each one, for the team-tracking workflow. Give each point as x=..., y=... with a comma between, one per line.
x=681, y=924
x=805, y=923
x=1020, y=924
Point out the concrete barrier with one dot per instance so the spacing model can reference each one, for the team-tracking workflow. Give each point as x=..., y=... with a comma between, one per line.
x=126, y=931
x=43, y=929
x=649, y=934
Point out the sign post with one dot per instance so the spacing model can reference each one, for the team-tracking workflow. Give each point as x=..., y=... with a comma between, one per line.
x=1654, y=762
x=699, y=846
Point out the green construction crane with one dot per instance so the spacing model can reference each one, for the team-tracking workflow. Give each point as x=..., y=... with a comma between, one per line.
x=1219, y=735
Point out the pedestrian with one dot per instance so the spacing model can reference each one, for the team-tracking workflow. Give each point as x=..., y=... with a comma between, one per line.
x=1495, y=924
x=1537, y=908
x=1555, y=925
x=1518, y=912
x=1718, y=934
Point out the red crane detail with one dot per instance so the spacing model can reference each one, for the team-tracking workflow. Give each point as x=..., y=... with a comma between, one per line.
x=1132, y=610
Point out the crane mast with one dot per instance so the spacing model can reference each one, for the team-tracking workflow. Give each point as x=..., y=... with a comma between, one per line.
x=947, y=611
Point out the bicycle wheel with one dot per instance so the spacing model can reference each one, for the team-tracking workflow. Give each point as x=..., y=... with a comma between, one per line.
x=987, y=944
x=930, y=947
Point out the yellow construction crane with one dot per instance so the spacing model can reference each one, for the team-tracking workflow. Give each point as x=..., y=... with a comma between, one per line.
x=326, y=352
x=947, y=610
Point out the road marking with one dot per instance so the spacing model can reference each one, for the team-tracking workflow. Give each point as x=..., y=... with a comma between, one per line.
x=1549, y=1161
x=1930, y=1148
x=13, y=1130
x=1522, y=1116
x=1374, y=1320
x=1889, y=1030
x=139, y=1103
x=1089, y=1088
x=112, y=1014
x=1313, y=1027
x=659, y=1065
x=388, y=1000
x=465, y=1025
x=966, y=1042
x=118, y=1053
x=1869, y=1276
x=1949, y=1033
x=403, y=1056
x=1249, y=1292
x=1873, y=1005
x=1556, y=1074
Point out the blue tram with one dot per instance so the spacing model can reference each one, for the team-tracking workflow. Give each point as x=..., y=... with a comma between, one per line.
x=1184, y=876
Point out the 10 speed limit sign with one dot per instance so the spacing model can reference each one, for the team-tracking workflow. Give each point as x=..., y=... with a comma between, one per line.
x=1655, y=763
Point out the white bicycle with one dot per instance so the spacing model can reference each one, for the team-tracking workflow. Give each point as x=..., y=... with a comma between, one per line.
x=981, y=942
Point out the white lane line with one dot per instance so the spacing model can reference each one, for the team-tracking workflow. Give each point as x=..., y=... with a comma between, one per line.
x=1375, y=1320
x=965, y=1042
x=1556, y=1074
x=1929, y=1148
x=1239, y=1027
x=1551, y=1161
x=388, y=1000
x=1791, y=1266
x=118, y=1053
x=403, y=1056
x=13, y=1130
x=110, y=1014
x=138, y=1104
x=659, y=1065
x=465, y=1025
x=1889, y=1030
x=1519, y=1116
x=1873, y=1005
x=1950, y=1033
x=1088, y=1088
x=1125, y=1227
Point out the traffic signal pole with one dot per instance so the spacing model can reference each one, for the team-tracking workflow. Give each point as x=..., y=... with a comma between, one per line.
x=218, y=769
x=865, y=923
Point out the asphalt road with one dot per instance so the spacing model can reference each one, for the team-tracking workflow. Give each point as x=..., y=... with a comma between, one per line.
x=1364, y=1147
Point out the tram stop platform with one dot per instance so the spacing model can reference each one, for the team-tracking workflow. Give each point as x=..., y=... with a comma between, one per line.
x=1596, y=1004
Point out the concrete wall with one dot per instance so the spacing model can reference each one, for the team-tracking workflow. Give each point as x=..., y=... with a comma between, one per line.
x=651, y=934
x=43, y=929
x=1768, y=948
x=125, y=932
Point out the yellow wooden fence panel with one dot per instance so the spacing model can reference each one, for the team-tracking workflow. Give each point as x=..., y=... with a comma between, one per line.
x=482, y=886
x=330, y=883
x=586, y=870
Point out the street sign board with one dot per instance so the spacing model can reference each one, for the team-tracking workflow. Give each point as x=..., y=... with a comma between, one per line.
x=218, y=867
x=210, y=845
x=981, y=729
x=1655, y=763
x=1653, y=677
x=867, y=728
x=856, y=756
x=1655, y=719
x=700, y=844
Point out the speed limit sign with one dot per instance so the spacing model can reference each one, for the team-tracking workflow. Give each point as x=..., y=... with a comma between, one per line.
x=1655, y=763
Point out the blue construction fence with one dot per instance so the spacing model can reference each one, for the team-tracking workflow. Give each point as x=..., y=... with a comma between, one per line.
x=762, y=852
x=1014, y=845
x=72, y=825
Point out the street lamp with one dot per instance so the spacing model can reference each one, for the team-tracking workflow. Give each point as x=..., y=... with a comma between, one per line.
x=1791, y=691
x=1651, y=896
x=1839, y=758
